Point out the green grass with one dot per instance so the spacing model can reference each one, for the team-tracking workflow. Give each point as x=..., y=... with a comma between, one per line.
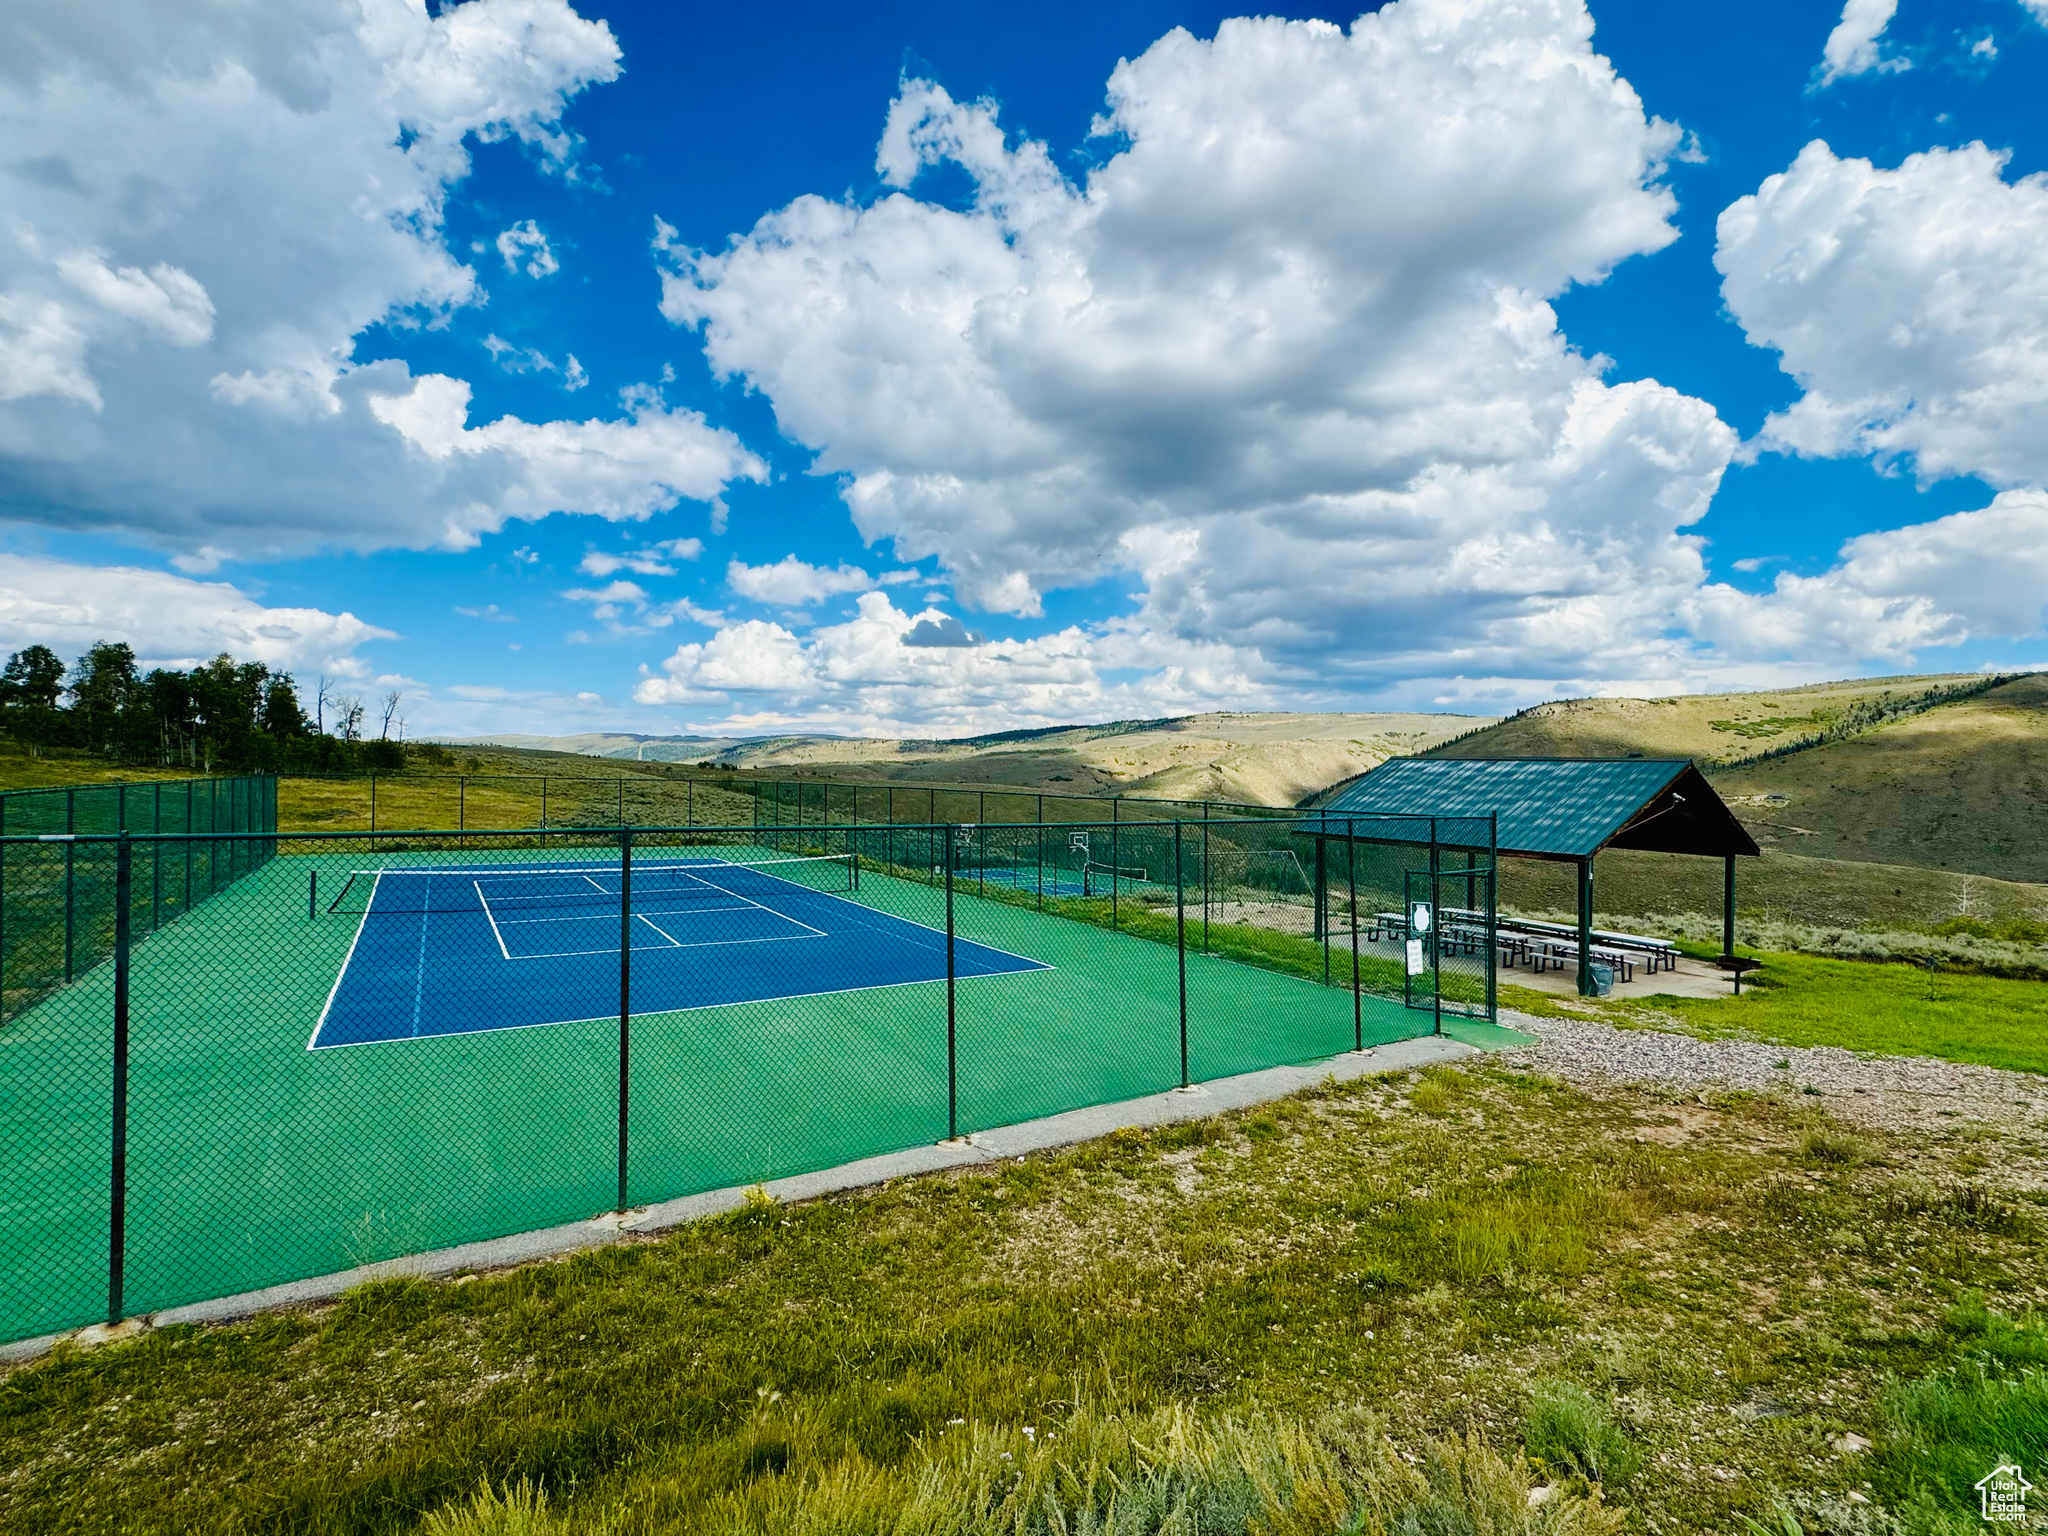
x=1573, y=1432
x=1337, y=1312
x=1894, y=1010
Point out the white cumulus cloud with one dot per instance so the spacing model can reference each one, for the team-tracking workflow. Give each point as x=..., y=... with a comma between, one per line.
x=861, y=677
x=169, y=620
x=524, y=248
x=207, y=206
x=794, y=583
x=1979, y=575
x=1910, y=304
x=1852, y=47
x=1285, y=361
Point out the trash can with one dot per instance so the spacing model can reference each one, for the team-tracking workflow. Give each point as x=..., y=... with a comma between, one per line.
x=1603, y=978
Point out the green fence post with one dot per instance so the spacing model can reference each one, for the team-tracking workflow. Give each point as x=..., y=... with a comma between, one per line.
x=543, y=800
x=1041, y=853
x=213, y=842
x=187, y=907
x=156, y=861
x=1180, y=945
x=117, y=1224
x=373, y=813
x=1436, y=930
x=70, y=881
x=625, y=995
x=1116, y=858
x=3, y=911
x=1351, y=879
x=462, y=802
x=952, y=1042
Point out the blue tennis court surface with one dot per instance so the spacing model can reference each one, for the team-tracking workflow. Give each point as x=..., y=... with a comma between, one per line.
x=457, y=950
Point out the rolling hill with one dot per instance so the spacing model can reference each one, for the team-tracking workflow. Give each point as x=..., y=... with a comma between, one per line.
x=1943, y=772
x=1251, y=758
x=1963, y=786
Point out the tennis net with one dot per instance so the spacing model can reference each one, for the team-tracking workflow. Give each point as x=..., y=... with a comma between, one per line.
x=584, y=886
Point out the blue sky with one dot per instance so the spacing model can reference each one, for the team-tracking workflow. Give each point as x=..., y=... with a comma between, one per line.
x=934, y=368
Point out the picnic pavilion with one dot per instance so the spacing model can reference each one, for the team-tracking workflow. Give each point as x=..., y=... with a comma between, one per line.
x=1563, y=809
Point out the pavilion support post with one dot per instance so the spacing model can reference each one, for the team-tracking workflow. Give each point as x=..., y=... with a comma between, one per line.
x=1586, y=927
x=1728, y=905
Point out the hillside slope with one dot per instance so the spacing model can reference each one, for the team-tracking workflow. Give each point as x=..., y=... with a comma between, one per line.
x=1252, y=758
x=1963, y=786
x=1707, y=727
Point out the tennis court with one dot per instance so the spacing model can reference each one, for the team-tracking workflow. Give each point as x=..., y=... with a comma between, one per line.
x=786, y=1015
x=465, y=948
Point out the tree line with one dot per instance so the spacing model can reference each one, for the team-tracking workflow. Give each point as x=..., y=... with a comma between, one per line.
x=222, y=716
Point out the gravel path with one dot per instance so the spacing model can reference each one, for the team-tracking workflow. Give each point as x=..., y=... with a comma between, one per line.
x=1891, y=1093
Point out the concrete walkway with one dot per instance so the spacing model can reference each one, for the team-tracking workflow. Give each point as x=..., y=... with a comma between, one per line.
x=1008, y=1141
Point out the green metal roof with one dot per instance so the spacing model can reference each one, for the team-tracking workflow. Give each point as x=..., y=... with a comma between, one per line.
x=1551, y=807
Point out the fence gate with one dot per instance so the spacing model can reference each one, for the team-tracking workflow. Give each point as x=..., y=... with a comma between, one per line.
x=1449, y=945
x=1423, y=965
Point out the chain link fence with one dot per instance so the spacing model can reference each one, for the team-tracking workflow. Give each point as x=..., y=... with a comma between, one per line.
x=362, y=1047
x=485, y=801
x=57, y=920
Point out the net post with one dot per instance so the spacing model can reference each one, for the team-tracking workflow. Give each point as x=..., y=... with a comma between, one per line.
x=952, y=1038
x=117, y=1172
x=625, y=996
x=1180, y=945
x=1357, y=991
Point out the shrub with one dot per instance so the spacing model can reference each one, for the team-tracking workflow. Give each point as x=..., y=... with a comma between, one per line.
x=1569, y=1429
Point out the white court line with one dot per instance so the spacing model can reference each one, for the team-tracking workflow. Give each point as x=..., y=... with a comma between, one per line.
x=584, y=917
x=744, y=1002
x=674, y=942
x=741, y=895
x=639, y=949
x=492, y=919
x=1028, y=962
x=346, y=960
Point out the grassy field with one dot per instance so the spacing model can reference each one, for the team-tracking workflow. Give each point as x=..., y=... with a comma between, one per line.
x=1778, y=886
x=1387, y=1307
x=62, y=765
x=1898, y=1010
